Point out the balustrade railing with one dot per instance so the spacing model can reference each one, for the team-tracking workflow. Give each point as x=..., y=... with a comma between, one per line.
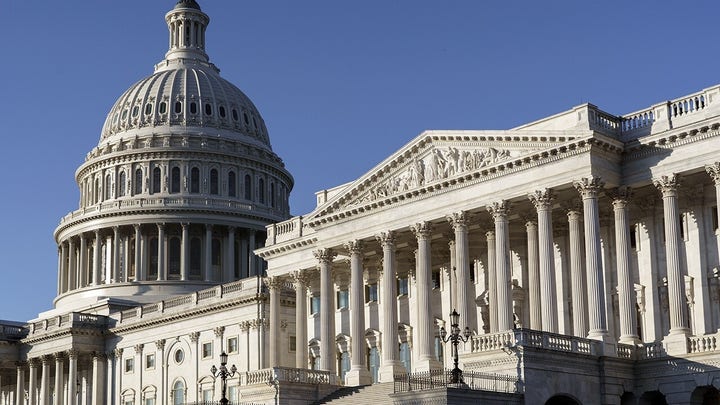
x=434, y=379
x=533, y=338
x=289, y=375
x=71, y=320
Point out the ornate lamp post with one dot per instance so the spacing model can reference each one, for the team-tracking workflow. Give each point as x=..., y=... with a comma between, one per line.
x=455, y=337
x=223, y=373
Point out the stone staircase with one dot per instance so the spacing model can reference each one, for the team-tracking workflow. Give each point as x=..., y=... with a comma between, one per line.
x=369, y=394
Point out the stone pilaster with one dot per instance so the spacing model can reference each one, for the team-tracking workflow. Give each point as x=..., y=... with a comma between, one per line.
x=97, y=261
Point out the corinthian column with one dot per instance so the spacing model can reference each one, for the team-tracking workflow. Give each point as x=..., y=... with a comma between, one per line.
x=390, y=354
x=499, y=211
x=714, y=172
x=358, y=374
x=531, y=227
x=59, y=379
x=161, y=268
x=327, y=318
x=668, y=185
x=45, y=381
x=115, y=276
x=301, y=337
x=426, y=359
x=626, y=289
x=589, y=189
x=492, y=281
x=72, y=376
x=208, y=253
x=274, y=285
x=72, y=265
x=543, y=199
x=459, y=222
x=98, y=377
x=577, y=276
x=32, y=384
x=20, y=384
x=97, y=259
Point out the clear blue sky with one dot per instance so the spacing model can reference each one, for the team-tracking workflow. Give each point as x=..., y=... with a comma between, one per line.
x=341, y=85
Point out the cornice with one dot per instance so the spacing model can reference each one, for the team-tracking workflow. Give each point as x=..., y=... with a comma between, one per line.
x=655, y=144
x=295, y=244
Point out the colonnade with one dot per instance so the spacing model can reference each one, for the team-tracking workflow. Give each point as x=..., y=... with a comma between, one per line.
x=57, y=379
x=585, y=269
x=158, y=252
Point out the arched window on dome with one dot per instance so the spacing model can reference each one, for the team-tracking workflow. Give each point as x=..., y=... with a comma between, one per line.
x=138, y=181
x=108, y=187
x=157, y=180
x=208, y=109
x=175, y=180
x=178, y=107
x=153, y=253
x=148, y=108
x=195, y=180
x=193, y=108
x=248, y=187
x=174, y=258
x=163, y=108
x=261, y=191
x=221, y=111
x=214, y=188
x=235, y=114
x=272, y=194
x=121, y=183
x=195, y=258
x=232, y=184
x=96, y=191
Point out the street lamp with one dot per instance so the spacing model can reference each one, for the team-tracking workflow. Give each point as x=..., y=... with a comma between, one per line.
x=455, y=337
x=223, y=373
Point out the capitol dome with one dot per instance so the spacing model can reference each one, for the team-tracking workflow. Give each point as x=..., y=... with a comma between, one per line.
x=178, y=191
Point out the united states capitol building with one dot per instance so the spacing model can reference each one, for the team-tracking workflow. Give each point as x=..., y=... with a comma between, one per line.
x=581, y=251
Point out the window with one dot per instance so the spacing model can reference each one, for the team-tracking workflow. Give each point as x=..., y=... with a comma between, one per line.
x=193, y=108
x=272, y=195
x=174, y=258
x=124, y=114
x=149, y=401
x=153, y=253
x=135, y=111
x=232, y=345
x=292, y=343
x=179, y=356
x=371, y=293
x=245, y=118
x=234, y=114
x=374, y=363
x=121, y=185
x=402, y=286
x=714, y=215
x=108, y=187
x=208, y=109
x=163, y=108
x=207, y=350
x=207, y=395
x=129, y=402
x=129, y=365
x=97, y=190
x=405, y=357
x=138, y=181
x=178, y=107
x=178, y=393
x=214, y=189
x=150, y=361
x=261, y=191
x=148, y=109
x=233, y=393
x=175, y=180
x=232, y=184
x=439, y=349
x=248, y=187
x=157, y=180
x=342, y=299
x=314, y=305
x=221, y=110
x=195, y=180
x=344, y=365
x=435, y=279
x=216, y=252
x=633, y=237
x=195, y=258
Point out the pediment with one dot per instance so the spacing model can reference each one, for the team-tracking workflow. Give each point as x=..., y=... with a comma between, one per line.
x=438, y=157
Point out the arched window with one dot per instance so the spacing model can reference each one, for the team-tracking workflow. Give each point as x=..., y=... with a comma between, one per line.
x=138, y=181
x=108, y=187
x=232, y=184
x=153, y=253
x=195, y=180
x=163, y=108
x=373, y=362
x=157, y=180
x=272, y=194
x=248, y=187
x=193, y=108
x=214, y=189
x=121, y=185
x=174, y=258
x=175, y=180
x=97, y=190
x=195, y=258
x=178, y=107
x=216, y=257
x=261, y=191
x=178, y=393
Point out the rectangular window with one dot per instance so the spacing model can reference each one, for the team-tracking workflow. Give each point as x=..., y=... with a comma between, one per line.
x=371, y=293
x=342, y=299
x=207, y=395
x=129, y=365
x=232, y=345
x=207, y=350
x=402, y=286
x=149, y=401
x=129, y=402
x=714, y=215
x=633, y=237
x=150, y=361
x=436, y=279
x=233, y=393
x=315, y=305
x=292, y=344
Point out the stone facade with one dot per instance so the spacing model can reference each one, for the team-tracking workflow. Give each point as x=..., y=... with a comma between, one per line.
x=582, y=251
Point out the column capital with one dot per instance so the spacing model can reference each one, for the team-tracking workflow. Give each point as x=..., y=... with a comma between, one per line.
x=46, y=359
x=531, y=224
x=355, y=246
x=161, y=226
x=118, y=353
x=589, y=187
x=490, y=235
x=386, y=238
x=219, y=331
x=274, y=283
x=160, y=344
x=422, y=230
x=499, y=210
x=621, y=197
x=714, y=171
x=33, y=362
x=194, y=336
x=139, y=348
x=59, y=356
x=667, y=185
x=99, y=355
x=542, y=199
x=244, y=326
x=74, y=353
x=459, y=220
x=301, y=278
x=136, y=227
x=21, y=364
x=325, y=255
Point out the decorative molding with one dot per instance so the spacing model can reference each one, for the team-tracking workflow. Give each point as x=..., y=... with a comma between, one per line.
x=589, y=187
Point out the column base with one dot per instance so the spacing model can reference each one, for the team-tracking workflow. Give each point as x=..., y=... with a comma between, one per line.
x=676, y=342
x=608, y=346
x=427, y=365
x=629, y=340
x=358, y=377
x=387, y=372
